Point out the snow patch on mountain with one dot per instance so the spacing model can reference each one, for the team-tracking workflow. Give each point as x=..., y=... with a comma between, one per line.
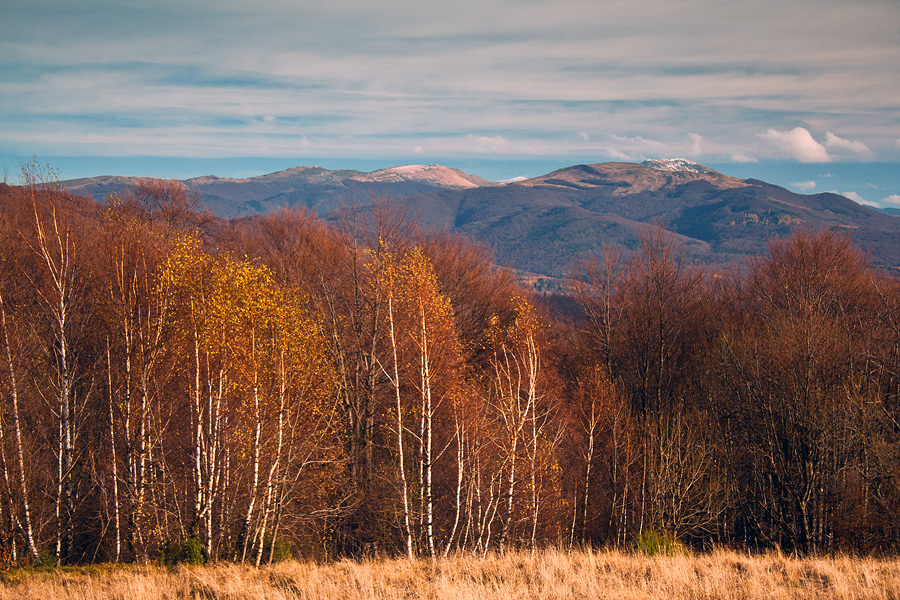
x=679, y=165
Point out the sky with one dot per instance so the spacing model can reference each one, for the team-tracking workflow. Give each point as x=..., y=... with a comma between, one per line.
x=804, y=94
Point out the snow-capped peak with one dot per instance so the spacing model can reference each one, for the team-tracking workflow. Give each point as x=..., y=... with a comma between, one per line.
x=513, y=180
x=682, y=165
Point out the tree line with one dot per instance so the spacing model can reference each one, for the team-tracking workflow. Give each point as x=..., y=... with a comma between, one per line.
x=279, y=384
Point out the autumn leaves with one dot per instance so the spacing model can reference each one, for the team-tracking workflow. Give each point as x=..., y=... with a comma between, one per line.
x=366, y=387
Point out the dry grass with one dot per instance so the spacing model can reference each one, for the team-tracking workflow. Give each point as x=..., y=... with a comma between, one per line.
x=547, y=574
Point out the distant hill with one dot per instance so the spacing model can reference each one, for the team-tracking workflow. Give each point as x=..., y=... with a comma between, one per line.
x=541, y=225
x=315, y=188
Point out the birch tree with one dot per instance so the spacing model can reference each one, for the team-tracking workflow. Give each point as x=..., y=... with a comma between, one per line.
x=59, y=287
x=137, y=311
x=13, y=390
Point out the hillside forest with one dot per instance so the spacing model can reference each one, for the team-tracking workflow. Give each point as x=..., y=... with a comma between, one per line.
x=277, y=384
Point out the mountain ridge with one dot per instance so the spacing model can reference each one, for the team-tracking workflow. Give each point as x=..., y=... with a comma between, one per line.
x=541, y=225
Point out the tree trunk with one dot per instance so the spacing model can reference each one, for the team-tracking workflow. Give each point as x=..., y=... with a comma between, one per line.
x=14, y=394
x=399, y=407
x=112, y=452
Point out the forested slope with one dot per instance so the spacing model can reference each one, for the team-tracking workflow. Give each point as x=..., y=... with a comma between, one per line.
x=362, y=385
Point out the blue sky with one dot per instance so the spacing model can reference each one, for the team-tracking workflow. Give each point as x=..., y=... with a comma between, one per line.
x=805, y=93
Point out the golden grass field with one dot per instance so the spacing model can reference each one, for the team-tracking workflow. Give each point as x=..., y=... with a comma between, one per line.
x=520, y=575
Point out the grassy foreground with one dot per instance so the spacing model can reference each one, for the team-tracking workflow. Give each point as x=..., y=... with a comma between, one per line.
x=546, y=574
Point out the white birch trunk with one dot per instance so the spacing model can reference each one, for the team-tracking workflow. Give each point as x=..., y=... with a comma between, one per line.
x=112, y=451
x=14, y=394
x=198, y=431
x=396, y=384
x=57, y=255
x=257, y=433
x=428, y=458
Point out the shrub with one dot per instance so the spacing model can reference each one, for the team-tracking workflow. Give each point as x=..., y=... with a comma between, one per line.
x=282, y=551
x=651, y=543
x=189, y=551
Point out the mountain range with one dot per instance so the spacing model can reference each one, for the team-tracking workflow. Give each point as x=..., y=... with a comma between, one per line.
x=540, y=226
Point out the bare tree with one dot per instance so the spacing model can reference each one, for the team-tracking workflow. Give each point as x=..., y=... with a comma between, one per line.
x=59, y=291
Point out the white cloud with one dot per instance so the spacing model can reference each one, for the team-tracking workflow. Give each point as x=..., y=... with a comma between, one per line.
x=805, y=185
x=484, y=144
x=743, y=158
x=695, y=147
x=858, y=199
x=893, y=199
x=584, y=136
x=418, y=150
x=838, y=144
x=639, y=142
x=619, y=155
x=797, y=143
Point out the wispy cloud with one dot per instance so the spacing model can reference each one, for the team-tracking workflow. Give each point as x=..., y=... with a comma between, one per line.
x=640, y=148
x=352, y=78
x=892, y=200
x=805, y=186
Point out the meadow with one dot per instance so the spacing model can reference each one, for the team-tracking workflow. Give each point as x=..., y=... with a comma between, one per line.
x=551, y=574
